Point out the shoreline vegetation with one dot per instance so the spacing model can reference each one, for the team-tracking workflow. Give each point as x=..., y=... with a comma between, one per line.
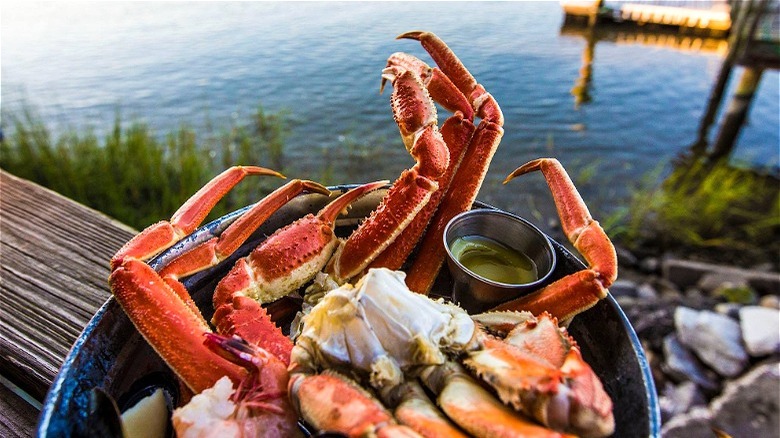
x=702, y=210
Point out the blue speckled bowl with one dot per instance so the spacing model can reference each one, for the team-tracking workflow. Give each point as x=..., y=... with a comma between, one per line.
x=112, y=355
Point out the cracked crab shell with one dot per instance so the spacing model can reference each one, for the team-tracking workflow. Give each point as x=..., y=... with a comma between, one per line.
x=381, y=328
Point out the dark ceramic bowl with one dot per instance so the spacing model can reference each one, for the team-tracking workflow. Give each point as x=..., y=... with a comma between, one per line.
x=112, y=356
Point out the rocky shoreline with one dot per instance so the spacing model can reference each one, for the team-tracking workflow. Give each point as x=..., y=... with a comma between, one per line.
x=712, y=336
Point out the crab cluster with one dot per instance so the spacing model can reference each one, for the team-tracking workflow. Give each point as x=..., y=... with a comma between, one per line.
x=401, y=345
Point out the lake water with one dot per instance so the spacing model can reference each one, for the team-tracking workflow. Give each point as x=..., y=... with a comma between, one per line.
x=173, y=63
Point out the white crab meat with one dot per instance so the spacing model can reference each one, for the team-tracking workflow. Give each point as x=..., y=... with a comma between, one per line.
x=382, y=328
x=208, y=414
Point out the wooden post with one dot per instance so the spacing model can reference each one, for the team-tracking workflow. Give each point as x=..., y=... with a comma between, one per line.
x=736, y=40
x=736, y=113
x=594, y=13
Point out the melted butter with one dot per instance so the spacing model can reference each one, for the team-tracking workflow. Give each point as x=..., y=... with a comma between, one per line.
x=493, y=260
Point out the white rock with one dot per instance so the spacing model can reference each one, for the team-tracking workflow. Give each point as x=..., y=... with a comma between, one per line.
x=715, y=339
x=760, y=330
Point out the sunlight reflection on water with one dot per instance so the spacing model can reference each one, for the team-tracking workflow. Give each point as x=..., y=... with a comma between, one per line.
x=168, y=63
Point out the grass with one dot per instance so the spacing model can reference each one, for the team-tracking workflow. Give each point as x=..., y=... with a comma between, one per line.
x=713, y=211
x=716, y=210
x=132, y=174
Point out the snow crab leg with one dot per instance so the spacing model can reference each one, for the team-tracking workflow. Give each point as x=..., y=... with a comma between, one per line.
x=160, y=306
x=451, y=164
x=472, y=167
x=415, y=114
x=577, y=292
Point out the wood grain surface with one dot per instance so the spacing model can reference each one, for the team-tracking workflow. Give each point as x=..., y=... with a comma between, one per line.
x=54, y=257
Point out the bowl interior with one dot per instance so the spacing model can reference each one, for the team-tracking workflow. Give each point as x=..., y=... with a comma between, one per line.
x=506, y=229
x=112, y=355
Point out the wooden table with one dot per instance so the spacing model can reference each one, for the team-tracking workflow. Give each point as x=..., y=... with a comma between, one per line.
x=50, y=247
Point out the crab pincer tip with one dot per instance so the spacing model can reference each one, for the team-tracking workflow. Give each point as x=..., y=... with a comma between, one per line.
x=257, y=170
x=525, y=168
x=316, y=187
x=413, y=35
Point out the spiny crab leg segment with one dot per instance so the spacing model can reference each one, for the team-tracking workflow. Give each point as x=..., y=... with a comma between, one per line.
x=284, y=262
x=473, y=167
x=415, y=113
x=162, y=235
x=579, y=291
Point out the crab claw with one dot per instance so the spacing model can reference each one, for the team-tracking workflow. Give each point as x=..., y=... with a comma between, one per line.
x=162, y=235
x=577, y=292
x=157, y=312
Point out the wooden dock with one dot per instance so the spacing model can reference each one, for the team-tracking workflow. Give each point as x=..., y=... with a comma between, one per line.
x=54, y=274
x=713, y=19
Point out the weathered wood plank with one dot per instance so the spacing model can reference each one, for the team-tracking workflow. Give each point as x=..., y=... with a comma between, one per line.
x=17, y=417
x=53, y=268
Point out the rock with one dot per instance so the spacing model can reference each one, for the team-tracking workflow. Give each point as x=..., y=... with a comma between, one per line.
x=760, y=330
x=667, y=288
x=667, y=408
x=763, y=267
x=623, y=288
x=714, y=338
x=649, y=265
x=696, y=299
x=729, y=309
x=653, y=323
x=685, y=273
x=680, y=399
x=646, y=292
x=693, y=424
x=750, y=405
x=771, y=301
x=625, y=257
x=712, y=281
x=682, y=365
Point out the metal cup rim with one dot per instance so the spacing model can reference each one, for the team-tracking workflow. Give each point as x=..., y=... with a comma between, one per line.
x=489, y=211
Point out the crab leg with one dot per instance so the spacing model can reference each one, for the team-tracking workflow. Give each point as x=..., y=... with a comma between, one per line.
x=216, y=249
x=579, y=291
x=473, y=167
x=284, y=262
x=333, y=403
x=162, y=235
x=456, y=131
x=413, y=408
x=158, y=312
x=474, y=408
x=415, y=113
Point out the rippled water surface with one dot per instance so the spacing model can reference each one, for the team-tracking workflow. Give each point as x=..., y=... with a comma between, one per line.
x=170, y=63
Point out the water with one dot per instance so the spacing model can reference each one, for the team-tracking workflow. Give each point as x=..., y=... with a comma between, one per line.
x=213, y=63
